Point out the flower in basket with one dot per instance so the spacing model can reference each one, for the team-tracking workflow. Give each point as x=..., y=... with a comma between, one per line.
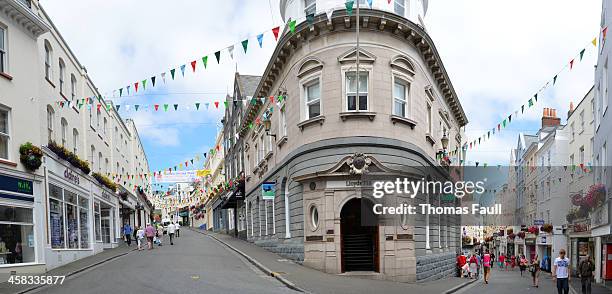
x=510, y=231
x=30, y=156
x=595, y=196
x=534, y=230
x=547, y=228
x=577, y=199
x=521, y=235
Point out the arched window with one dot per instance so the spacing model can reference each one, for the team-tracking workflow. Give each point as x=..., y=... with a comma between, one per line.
x=73, y=87
x=100, y=162
x=50, y=122
x=93, y=155
x=62, y=75
x=48, y=58
x=64, y=131
x=75, y=141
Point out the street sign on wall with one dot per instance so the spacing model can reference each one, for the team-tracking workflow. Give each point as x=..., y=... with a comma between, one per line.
x=268, y=190
x=538, y=222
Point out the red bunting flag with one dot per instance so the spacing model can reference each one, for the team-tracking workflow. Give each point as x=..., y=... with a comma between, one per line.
x=275, y=31
x=186, y=164
x=99, y=105
x=571, y=64
x=136, y=86
x=156, y=107
x=193, y=65
x=257, y=121
x=217, y=147
x=216, y=104
x=604, y=32
x=271, y=99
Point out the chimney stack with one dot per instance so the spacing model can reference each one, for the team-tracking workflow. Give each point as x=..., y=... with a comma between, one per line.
x=549, y=118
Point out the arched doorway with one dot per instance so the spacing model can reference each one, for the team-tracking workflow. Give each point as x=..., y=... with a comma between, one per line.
x=359, y=244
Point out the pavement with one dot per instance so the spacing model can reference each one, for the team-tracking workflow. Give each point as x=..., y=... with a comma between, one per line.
x=511, y=282
x=194, y=264
x=313, y=281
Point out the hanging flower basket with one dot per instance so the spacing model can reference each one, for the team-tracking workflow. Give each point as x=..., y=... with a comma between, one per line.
x=534, y=230
x=510, y=231
x=595, y=197
x=548, y=228
x=467, y=240
x=30, y=156
x=576, y=199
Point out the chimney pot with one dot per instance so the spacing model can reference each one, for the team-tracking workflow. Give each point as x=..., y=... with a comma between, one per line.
x=554, y=113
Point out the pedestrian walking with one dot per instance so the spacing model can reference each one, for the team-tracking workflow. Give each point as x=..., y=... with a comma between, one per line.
x=492, y=259
x=522, y=264
x=150, y=234
x=171, y=232
x=585, y=270
x=486, y=265
x=159, y=234
x=177, y=228
x=502, y=260
x=512, y=262
x=127, y=232
x=560, y=272
x=140, y=235
x=473, y=265
x=534, y=269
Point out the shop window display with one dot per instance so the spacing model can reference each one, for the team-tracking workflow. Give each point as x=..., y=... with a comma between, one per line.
x=16, y=235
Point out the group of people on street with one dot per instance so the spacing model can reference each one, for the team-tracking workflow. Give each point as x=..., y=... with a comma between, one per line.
x=152, y=232
x=469, y=266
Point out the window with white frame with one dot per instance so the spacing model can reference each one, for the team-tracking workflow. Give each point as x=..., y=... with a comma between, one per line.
x=92, y=156
x=247, y=166
x=429, y=121
x=5, y=134
x=48, y=52
x=353, y=102
x=62, y=75
x=75, y=141
x=3, y=58
x=283, y=120
x=262, y=147
x=399, y=7
x=50, y=120
x=100, y=162
x=401, y=89
x=64, y=131
x=604, y=86
x=312, y=94
x=268, y=144
x=310, y=7
x=72, y=88
x=582, y=121
x=68, y=218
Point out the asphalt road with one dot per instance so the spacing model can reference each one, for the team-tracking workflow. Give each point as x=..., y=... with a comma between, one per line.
x=195, y=264
x=510, y=282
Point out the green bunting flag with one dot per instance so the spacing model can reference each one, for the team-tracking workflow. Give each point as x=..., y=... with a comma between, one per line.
x=349, y=7
x=530, y=102
x=165, y=107
x=245, y=44
x=310, y=18
x=197, y=105
x=225, y=103
x=218, y=56
x=172, y=71
x=144, y=84
x=205, y=61
x=504, y=123
x=292, y=26
x=581, y=54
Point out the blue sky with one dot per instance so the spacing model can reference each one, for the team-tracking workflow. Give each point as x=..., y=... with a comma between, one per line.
x=497, y=53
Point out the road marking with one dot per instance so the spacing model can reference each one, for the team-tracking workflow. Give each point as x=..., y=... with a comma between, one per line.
x=195, y=277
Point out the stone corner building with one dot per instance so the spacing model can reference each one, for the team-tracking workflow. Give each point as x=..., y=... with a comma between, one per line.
x=323, y=133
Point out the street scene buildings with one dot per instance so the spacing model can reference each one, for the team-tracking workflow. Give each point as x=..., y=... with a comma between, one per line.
x=71, y=169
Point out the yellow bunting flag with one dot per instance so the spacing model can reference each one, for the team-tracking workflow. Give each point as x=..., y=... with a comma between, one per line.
x=594, y=41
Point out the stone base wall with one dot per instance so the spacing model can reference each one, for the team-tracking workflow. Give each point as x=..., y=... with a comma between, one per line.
x=435, y=266
x=289, y=250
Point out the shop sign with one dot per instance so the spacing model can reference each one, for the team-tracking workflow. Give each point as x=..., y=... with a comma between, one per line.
x=530, y=241
x=348, y=184
x=16, y=185
x=106, y=196
x=599, y=217
x=581, y=227
x=268, y=190
x=538, y=222
x=71, y=177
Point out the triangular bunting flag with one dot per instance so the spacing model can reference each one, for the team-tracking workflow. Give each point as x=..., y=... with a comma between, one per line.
x=197, y=105
x=536, y=97
x=117, y=106
x=523, y=108
x=205, y=60
x=310, y=18
x=275, y=32
x=554, y=80
x=156, y=107
x=259, y=40
x=193, y=65
x=582, y=54
x=136, y=107
x=206, y=105
x=153, y=80
x=245, y=44
x=183, y=69
x=163, y=75
x=172, y=71
x=136, y=86
x=530, y=102
x=349, y=7
x=218, y=56
x=165, y=107
x=144, y=84
x=216, y=104
x=571, y=64
x=370, y=3
x=175, y=107
x=120, y=92
x=329, y=13
x=594, y=42
x=292, y=25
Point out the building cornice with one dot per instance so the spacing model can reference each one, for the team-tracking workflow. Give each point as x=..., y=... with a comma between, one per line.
x=24, y=16
x=371, y=20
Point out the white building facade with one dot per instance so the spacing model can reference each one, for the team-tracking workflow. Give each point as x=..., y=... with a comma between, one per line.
x=59, y=211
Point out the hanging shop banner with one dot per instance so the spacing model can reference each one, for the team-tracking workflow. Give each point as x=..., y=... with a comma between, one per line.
x=180, y=176
x=268, y=190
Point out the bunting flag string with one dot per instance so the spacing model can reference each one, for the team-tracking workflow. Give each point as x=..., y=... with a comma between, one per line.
x=471, y=144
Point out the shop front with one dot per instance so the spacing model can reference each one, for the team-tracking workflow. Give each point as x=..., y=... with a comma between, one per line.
x=544, y=250
x=530, y=246
x=581, y=244
x=69, y=222
x=602, y=236
x=105, y=219
x=20, y=224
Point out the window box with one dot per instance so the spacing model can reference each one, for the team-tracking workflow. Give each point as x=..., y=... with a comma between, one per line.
x=318, y=119
x=404, y=120
x=357, y=114
x=281, y=141
x=430, y=139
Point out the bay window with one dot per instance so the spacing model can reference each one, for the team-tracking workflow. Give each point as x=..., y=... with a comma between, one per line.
x=68, y=219
x=353, y=102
